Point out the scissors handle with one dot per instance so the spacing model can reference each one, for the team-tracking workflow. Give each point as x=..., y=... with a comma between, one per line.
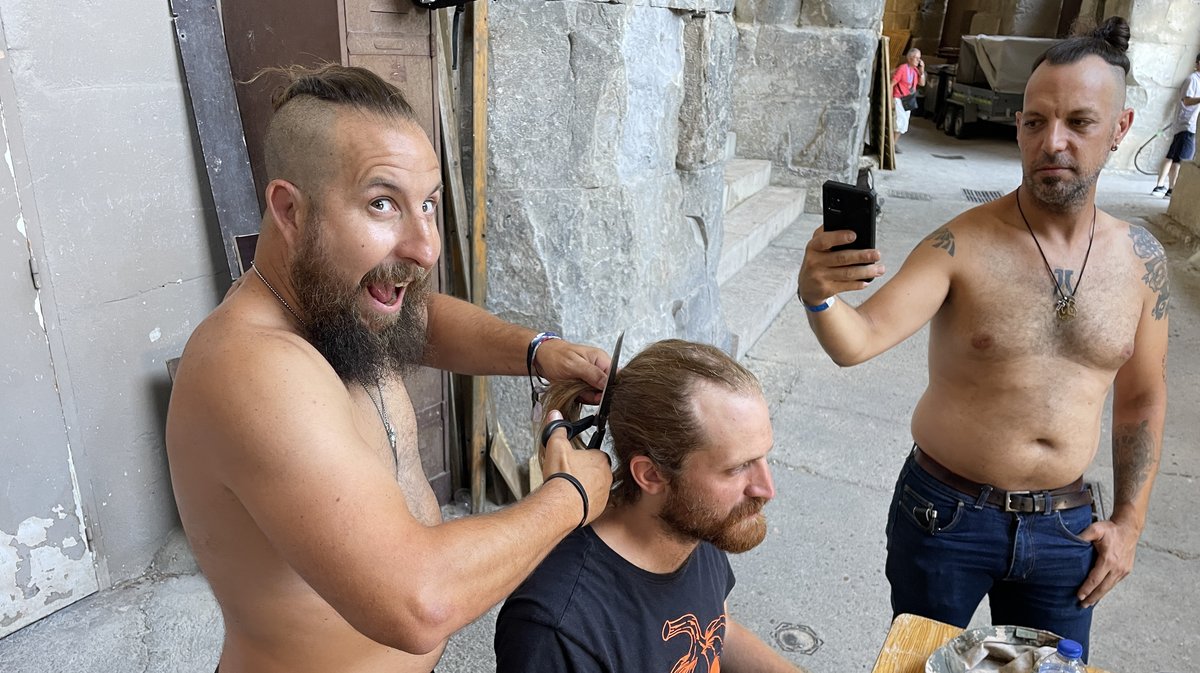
x=573, y=428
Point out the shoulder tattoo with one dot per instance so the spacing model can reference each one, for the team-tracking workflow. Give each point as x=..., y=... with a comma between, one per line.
x=1151, y=252
x=942, y=238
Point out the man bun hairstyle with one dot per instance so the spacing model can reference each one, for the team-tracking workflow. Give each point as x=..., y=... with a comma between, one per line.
x=1109, y=41
x=347, y=86
x=297, y=141
x=652, y=413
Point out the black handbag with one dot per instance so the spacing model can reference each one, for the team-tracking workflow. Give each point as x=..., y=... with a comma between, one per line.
x=910, y=102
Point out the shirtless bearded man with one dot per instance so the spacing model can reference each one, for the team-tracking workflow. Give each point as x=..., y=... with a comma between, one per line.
x=320, y=537
x=1024, y=347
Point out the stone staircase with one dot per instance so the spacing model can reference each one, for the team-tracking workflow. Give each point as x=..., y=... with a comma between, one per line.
x=763, y=245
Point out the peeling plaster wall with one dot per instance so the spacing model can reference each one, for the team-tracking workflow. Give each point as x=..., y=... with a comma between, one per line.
x=125, y=247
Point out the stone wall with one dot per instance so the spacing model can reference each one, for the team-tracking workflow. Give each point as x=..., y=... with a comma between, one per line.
x=607, y=125
x=1162, y=51
x=922, y=19
x=801, y=90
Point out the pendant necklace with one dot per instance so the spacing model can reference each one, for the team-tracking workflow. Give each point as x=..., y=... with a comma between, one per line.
x=277, y=295
x=387, y=424
x=1064, y=307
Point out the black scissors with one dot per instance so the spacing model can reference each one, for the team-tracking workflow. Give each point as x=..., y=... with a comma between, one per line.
x=599, y=420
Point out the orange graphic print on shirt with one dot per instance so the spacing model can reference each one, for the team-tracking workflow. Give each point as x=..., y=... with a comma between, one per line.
x=705, y=646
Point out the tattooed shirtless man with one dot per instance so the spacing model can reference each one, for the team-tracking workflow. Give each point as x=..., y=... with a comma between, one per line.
x=1039, y=305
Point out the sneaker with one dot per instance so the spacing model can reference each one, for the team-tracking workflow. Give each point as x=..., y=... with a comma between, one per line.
x=1158, y=190
x=1168, y=194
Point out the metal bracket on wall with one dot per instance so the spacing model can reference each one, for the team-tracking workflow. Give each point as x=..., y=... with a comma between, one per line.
x=201, y=41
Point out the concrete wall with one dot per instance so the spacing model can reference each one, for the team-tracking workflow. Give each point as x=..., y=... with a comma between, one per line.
x=128, y=264
x=803, y=77
x=607, y=122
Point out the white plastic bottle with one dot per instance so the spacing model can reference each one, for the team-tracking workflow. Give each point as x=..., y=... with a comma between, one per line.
x=1065, y=660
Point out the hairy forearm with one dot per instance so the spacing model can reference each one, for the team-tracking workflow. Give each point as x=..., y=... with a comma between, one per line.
x=466, y=339
x=1136, y=448
x=466, y=566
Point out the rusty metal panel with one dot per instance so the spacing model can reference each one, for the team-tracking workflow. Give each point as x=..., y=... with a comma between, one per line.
x=274, y=33
x=46, y=561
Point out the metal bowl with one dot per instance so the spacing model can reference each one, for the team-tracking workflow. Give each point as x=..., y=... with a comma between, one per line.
x=948, y=657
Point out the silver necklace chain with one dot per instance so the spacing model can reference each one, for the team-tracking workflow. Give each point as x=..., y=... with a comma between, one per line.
x=277, y=295
x=381, y=408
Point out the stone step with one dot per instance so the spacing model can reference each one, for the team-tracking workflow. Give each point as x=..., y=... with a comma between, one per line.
x=744, y=177
x=730, y=146
x=750, y=227
x=754, y=296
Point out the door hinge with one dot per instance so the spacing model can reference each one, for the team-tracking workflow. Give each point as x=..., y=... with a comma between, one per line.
x=35, y=273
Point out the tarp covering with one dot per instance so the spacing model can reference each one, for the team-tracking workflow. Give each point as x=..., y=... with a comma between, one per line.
x=1000, y=62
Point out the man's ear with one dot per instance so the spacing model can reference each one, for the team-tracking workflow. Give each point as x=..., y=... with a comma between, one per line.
x=284, y=203
x=1124, y=123
x=648, y=475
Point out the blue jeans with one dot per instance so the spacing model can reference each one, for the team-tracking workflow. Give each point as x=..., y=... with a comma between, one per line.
x=1029, y=565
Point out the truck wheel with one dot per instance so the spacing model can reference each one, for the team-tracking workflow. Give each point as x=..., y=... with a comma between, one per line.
x=959, y=127
x=952, y=115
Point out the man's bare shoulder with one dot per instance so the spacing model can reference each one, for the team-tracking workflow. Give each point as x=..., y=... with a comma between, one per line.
x=239, y=370
x=955, y=238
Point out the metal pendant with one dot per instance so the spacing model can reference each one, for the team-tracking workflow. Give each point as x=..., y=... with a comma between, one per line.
x=1065, y=308
x=391, y=435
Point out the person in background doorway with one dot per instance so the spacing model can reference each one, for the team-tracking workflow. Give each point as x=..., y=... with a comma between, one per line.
x=1183, y=144
x=908, y=76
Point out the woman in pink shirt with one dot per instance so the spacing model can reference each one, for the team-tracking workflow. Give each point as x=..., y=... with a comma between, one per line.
x=905, y=81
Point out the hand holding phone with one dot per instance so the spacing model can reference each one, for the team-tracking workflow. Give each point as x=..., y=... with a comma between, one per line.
x=844, y=207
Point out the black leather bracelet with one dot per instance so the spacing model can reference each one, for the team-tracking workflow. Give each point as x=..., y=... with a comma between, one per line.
x=578, y=487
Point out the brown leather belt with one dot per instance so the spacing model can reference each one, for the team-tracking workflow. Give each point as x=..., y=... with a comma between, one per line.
x=1026, y=502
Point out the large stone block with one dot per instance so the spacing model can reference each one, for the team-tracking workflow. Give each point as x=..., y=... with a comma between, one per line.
x=710, y=57
x=862, y=14
x=571, y=82
x=986, y=24
x=807, y=121
x=779, y=12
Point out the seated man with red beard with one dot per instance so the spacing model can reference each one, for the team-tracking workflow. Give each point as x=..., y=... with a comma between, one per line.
x=643, y=588
x=292, y=441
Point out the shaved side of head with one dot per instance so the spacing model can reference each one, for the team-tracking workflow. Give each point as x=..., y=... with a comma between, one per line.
x=300, y=146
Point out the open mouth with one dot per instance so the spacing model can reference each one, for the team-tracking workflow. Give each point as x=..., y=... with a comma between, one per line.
x=389, y=295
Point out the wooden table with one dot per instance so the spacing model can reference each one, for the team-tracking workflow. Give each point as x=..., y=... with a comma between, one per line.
x=912, y=639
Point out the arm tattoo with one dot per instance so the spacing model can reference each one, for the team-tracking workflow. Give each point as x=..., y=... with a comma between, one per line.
x=1133, y=459
x=1151, y=252
x=942, y=238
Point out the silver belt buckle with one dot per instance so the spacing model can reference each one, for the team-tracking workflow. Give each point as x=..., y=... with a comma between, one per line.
x=1008, y=500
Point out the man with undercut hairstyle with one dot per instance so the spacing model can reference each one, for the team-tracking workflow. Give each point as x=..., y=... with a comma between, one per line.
x=291, y=438
x=643, y=588
x=1039, y=304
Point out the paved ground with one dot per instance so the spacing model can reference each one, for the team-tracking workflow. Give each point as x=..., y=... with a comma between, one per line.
x=816, y=585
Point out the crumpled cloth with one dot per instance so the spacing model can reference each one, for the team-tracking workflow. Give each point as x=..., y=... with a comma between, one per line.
x=995, y=655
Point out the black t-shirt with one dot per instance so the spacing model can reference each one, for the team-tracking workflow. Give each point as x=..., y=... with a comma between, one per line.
x=588, y=610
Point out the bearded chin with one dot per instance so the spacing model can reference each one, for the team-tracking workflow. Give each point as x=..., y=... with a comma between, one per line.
x=361, y=354
x=739, y=531
x=359, y=349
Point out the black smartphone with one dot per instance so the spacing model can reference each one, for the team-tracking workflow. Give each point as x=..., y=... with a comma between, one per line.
x=845, y=206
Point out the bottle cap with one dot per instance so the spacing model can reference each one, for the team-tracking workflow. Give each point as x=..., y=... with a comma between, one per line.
x=1070, y=649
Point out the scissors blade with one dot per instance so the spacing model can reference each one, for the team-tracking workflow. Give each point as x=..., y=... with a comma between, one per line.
x=606, y=396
